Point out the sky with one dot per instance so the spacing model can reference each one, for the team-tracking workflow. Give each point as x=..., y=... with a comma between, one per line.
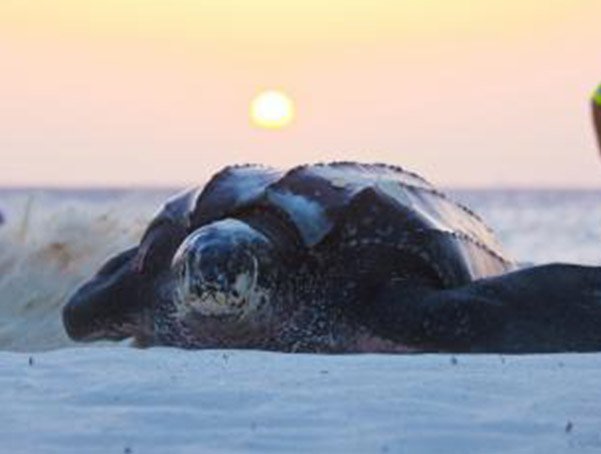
x=470, y=93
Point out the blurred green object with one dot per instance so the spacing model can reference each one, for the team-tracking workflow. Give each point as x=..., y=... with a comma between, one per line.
x=597, y=114
x=597, y=96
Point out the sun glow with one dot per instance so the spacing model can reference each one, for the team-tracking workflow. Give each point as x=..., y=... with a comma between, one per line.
x=272, y=109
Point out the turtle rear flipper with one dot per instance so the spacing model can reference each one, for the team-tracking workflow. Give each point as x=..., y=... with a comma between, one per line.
x=546, y=308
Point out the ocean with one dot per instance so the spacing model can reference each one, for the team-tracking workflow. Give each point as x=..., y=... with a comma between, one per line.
x=59, y=397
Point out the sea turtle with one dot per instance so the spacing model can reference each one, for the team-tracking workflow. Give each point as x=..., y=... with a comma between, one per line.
x=339, y=257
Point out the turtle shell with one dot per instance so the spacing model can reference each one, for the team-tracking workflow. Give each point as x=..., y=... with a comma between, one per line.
x=317, y=201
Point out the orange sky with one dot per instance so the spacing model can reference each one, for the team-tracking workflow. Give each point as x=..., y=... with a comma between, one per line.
x=143, y=92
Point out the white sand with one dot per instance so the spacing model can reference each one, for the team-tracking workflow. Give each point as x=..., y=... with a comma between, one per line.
x=115, y=400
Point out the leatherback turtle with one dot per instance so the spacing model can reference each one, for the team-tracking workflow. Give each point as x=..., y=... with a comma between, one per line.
x=340, y=257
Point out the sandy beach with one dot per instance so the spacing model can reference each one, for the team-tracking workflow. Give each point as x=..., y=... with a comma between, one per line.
x=120, y=400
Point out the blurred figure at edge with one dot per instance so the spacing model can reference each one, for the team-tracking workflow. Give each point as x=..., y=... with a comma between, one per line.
x=597, y=114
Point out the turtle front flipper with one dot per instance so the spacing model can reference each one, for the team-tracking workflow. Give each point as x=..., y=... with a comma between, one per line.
x=550, y=308
x=113, y=305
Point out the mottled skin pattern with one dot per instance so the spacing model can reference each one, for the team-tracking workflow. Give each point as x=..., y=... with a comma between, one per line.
x=340, y=257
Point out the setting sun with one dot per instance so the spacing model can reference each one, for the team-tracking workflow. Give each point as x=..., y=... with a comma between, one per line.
x=272, y=109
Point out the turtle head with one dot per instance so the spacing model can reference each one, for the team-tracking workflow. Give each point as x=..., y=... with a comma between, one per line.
x=116, y=302
x=224, y=271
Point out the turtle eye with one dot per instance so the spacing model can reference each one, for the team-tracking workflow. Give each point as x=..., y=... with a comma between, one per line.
x=117, y=262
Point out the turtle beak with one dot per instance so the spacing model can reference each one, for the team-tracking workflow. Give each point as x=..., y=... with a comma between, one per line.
x=110, y=305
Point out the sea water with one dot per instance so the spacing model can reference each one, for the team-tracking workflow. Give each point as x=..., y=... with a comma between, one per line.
x=52, y=240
